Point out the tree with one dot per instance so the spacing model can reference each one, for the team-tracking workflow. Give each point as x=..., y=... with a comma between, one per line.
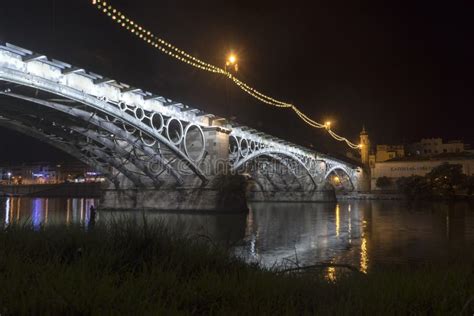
x=446, y=179
x=469, y=184
x=415, y=187
x=443, y=181
x=383, y=182
x=401, y=184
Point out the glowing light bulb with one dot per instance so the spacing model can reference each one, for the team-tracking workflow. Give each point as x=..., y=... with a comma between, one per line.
x=232, y=59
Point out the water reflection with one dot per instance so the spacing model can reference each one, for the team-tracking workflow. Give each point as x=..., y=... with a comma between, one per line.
x=41, y=211
x=363, y=234
x=306, y=234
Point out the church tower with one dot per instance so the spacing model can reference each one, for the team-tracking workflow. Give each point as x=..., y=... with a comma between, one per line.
x=365, y=147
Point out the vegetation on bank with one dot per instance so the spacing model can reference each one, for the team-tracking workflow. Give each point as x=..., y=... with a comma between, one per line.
x=445, y=181
x=125, y=268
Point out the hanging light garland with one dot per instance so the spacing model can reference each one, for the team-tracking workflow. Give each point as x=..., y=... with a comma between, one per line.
x=173, y=51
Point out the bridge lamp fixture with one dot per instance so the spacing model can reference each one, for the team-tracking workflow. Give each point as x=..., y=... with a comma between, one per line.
x=232, y=61
x=327, y=124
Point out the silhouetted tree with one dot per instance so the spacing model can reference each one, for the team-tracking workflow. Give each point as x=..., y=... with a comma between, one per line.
x=446, y=179
x=469, y=184
x=383, y=182
x=415, y=187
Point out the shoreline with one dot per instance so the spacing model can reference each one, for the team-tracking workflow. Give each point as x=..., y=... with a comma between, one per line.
x=123, y=268
x=397, y=197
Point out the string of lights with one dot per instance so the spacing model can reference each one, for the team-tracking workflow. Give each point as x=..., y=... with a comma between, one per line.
x=173, y=51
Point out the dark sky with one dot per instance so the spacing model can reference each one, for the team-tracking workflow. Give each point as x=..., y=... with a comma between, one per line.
x=402, y=68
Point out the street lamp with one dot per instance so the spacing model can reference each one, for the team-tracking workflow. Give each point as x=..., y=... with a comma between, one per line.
x=327, y=125
x=9, y=174
x=232, y=61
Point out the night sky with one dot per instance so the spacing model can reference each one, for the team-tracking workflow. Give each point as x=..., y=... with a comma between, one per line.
x=402, y=69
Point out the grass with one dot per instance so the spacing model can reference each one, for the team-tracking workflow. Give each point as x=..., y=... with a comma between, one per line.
x=125, y=269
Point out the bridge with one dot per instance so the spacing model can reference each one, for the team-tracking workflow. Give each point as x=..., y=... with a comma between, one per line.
x=158, y=153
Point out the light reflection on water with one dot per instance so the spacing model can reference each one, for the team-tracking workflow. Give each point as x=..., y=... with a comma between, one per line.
x=363, y=234
x=45, y=211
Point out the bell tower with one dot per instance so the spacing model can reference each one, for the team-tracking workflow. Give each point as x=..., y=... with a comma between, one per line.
x=364, y=147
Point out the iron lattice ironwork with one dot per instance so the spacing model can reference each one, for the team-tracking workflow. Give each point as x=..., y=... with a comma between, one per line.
x=140, y=139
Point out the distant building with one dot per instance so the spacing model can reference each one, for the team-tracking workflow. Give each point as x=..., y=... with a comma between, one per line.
x=427, y=147
x=435, y=146
x=417, y=166
x=47, y=173
x=468, y=149
x=365, y=147
x=388, y=152
x=396, y=161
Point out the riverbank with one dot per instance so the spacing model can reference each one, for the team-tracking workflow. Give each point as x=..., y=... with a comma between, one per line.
x=370, y=196
x=393, y=195
x=125, y=268
x=86, y=190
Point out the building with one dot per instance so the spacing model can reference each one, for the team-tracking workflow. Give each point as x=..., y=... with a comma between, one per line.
x=418, y=166
x=388, y=152
x=426, y=147
x=38, y=173
x=365, y=147
x=47, y=173
x=396, y=161
x=434, y=146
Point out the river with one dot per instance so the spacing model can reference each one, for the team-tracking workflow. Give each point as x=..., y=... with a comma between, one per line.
x=363, y=234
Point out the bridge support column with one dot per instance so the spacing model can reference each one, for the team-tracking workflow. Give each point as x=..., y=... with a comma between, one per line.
x=194, y=196
x=217, y=150
x=361, y=181
x=172, y=199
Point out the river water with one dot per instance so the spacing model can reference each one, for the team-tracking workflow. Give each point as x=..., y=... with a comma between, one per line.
x=364, y=234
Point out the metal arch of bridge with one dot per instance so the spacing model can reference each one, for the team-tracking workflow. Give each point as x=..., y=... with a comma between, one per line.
x=61, y=145
x=289, y=168
x=94, y=95
x=350, y=175
x=316, y=166
x=108, y=127
x=274, y=154
x=79, y=148
x=146, y=116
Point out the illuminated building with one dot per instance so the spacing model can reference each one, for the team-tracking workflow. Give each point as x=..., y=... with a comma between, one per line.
x=387, y=152
x=47, y=173
x=418, y=166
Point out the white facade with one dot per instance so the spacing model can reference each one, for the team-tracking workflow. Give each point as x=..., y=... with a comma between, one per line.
x=398, y=169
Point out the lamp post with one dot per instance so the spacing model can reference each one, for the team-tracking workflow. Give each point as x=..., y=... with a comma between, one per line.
x=230, y=63
x=9, y=174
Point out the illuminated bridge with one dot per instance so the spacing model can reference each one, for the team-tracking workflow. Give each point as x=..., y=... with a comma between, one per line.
x=155, y=152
